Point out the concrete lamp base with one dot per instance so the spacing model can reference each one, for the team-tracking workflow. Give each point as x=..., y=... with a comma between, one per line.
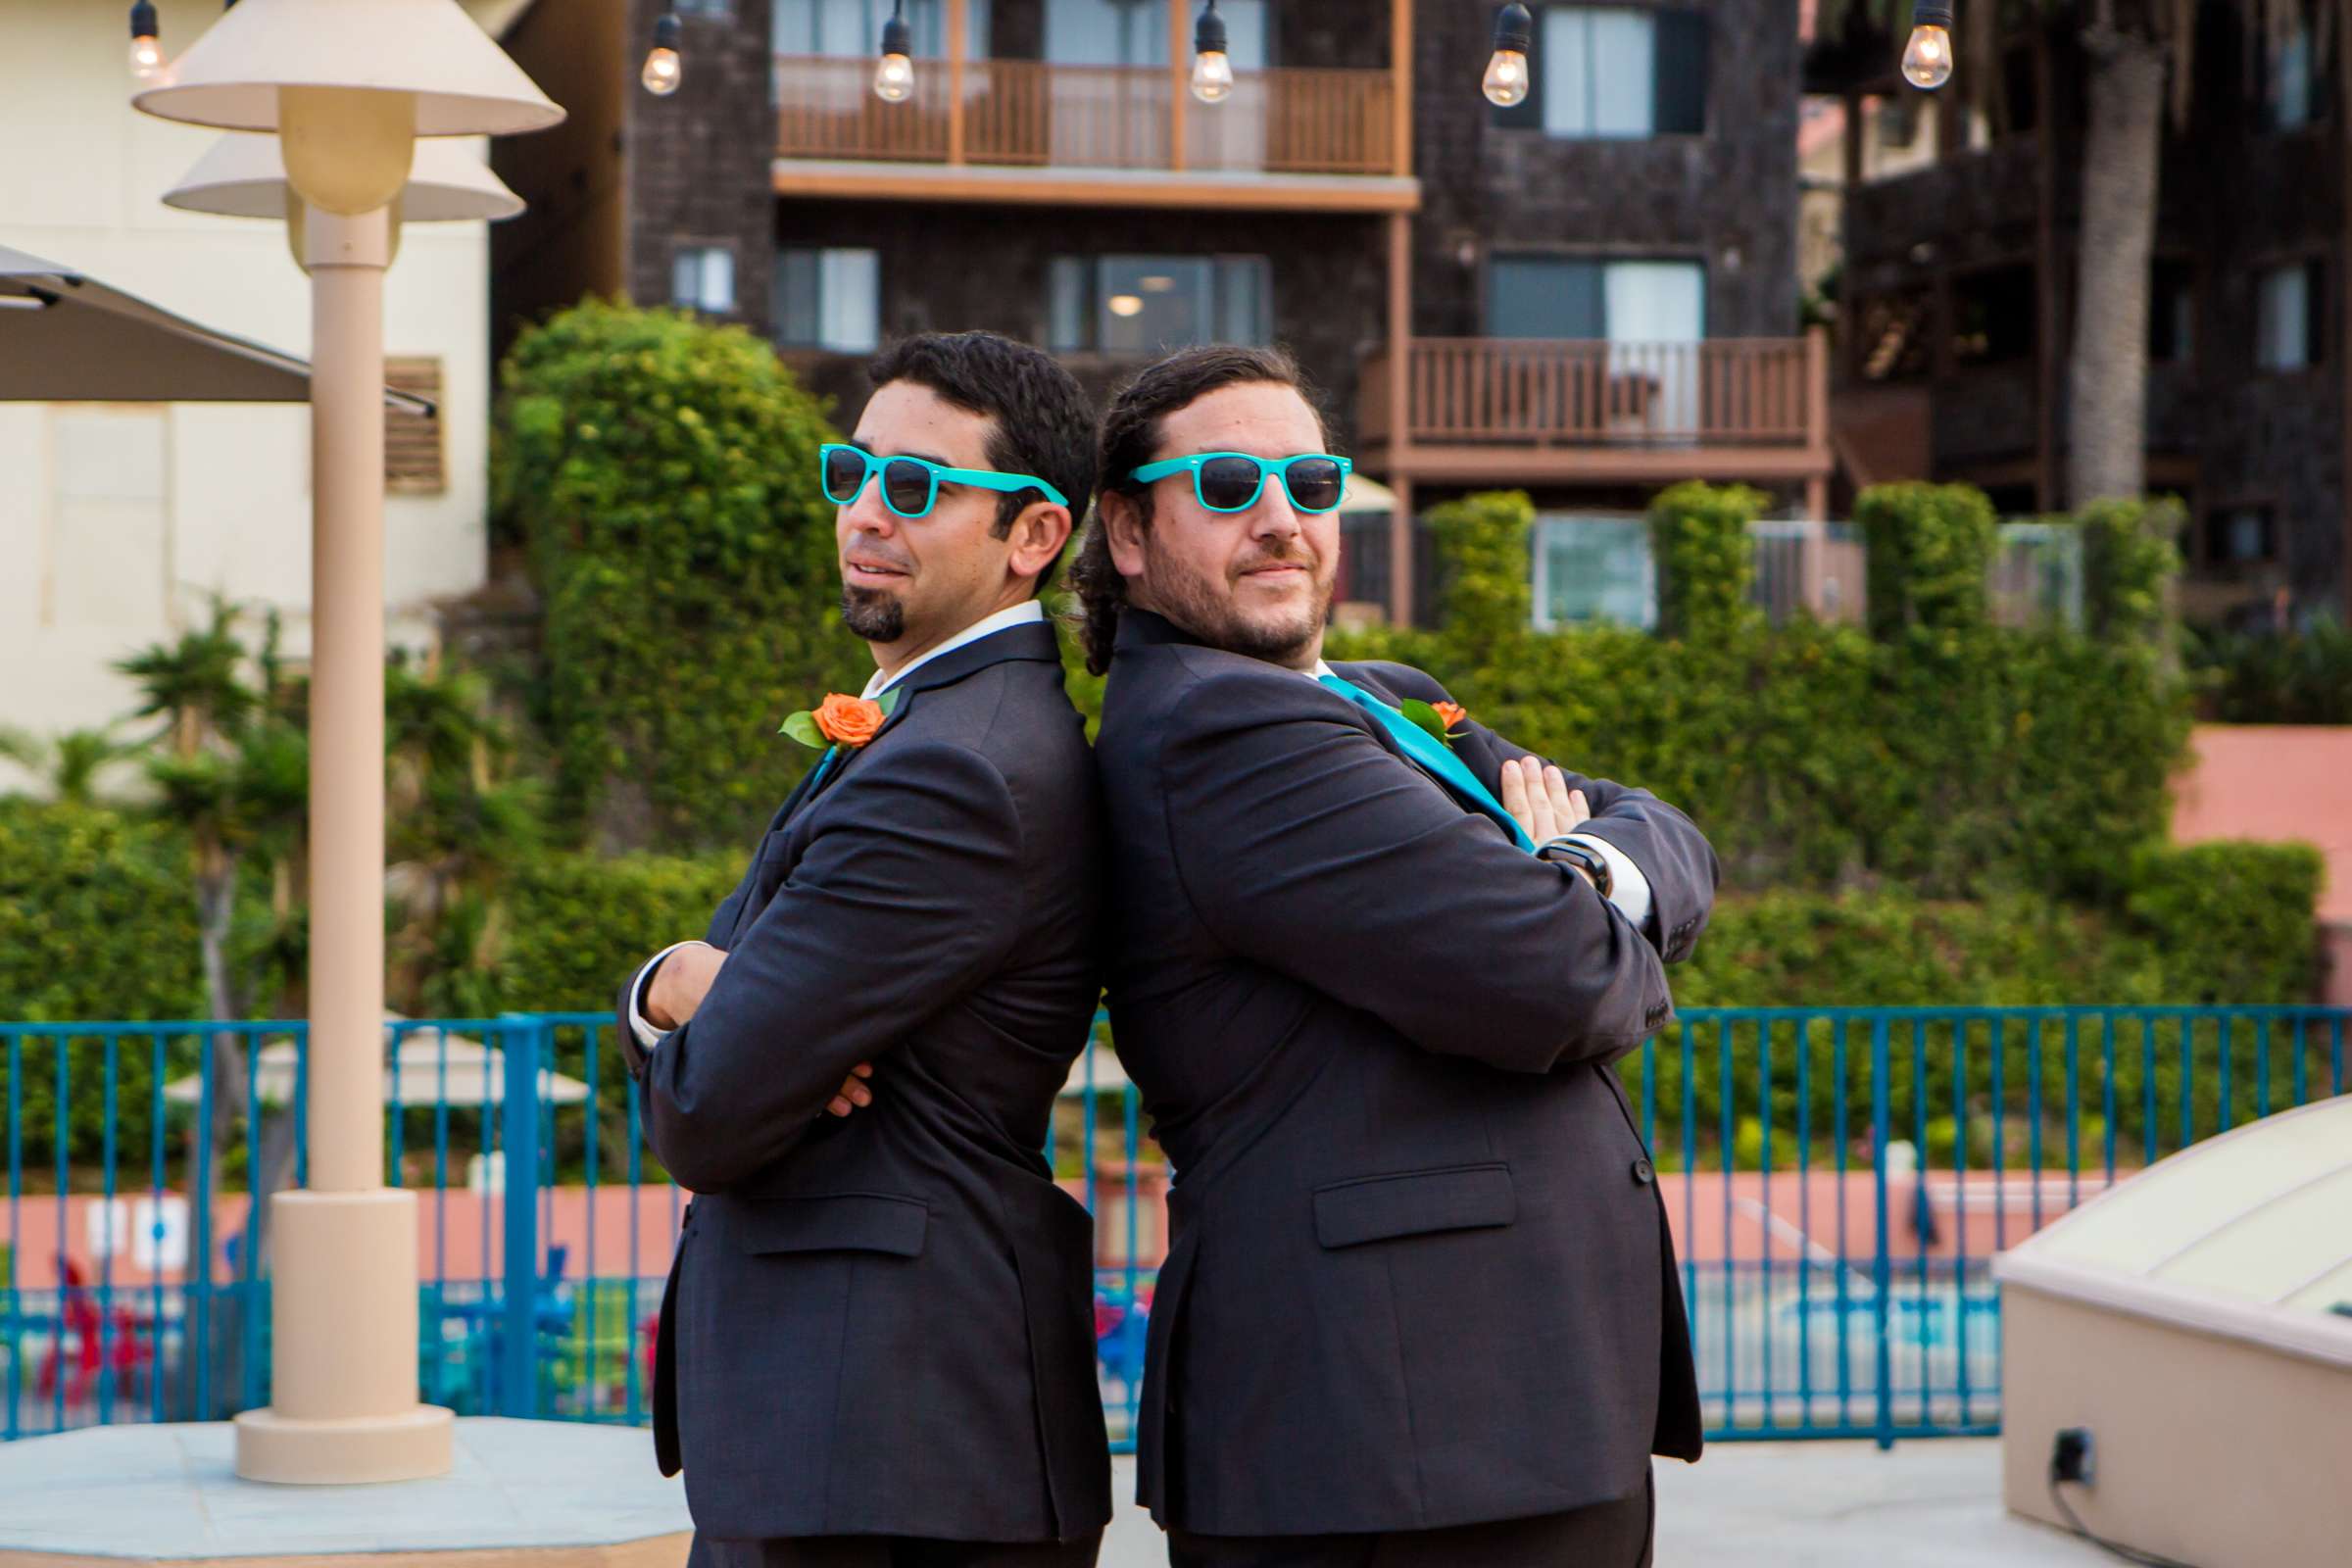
x=343, y=1321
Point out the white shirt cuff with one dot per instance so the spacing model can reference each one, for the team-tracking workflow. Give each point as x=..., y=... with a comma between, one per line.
x=1629, y=889
x=646, y=1034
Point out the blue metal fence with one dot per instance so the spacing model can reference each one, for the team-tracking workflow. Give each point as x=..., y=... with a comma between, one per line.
x=1837, y=1178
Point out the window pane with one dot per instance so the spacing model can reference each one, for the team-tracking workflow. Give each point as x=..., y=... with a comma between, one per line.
x=703, y=277
x=1154, y=303
x=2282, y=330
x=1529, y=296
x=1656, y=302
x=1244, y=300
x=1595, y=570
x=1599, y=72
x=1108, y=32
x=1069, y=306
x=848, y=297
x=792, y=304
x=2290, y=82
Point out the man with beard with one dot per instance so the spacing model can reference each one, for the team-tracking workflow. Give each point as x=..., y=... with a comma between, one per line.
x=1371, y=963
x=876, y=1348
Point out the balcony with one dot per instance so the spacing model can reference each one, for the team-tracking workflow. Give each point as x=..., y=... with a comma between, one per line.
x=1026, y=130
x=1527, y=411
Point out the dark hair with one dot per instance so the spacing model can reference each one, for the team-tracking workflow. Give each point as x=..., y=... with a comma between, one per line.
x=1131, y=435
x=1042, y=421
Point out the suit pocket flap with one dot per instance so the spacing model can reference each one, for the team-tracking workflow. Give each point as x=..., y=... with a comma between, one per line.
x=858, y=1222
x=1373, y=1208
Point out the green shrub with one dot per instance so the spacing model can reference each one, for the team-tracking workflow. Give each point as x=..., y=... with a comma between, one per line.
x=1930, y=547
x=2298, y=677
x=1698, y=538
x=2129, y=563
x=663, y=472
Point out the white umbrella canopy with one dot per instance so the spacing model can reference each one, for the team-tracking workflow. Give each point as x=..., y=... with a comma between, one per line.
x=1097, y=1071
x=434, y=1068
x=64, y=337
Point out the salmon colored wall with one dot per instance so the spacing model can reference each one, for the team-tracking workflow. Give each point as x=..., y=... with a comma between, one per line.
x=2276, y=783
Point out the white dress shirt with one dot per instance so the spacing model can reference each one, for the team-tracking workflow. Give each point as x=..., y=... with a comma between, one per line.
x=1026, y=612
x=1629, y=889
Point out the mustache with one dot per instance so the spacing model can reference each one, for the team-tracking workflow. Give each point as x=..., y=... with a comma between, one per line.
x=864, y=550
x=1277, y=558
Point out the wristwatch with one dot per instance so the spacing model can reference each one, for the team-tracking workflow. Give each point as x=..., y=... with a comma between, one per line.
x=1582, y=857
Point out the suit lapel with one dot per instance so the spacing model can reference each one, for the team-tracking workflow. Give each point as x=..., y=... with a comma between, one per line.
x=1029, y=642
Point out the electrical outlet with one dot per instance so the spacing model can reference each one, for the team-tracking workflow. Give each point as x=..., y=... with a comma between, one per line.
x=2071, y=1456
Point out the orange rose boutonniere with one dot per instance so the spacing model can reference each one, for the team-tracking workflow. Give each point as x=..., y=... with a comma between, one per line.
x=839, y=720
x=1438, y=719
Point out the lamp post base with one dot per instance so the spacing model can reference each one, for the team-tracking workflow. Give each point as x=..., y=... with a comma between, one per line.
x=343, y=1351
x=412, y=1445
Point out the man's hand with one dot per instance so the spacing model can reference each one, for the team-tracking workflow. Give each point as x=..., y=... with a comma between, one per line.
x=853, y=1092
x=1538, y=797
x=680, y=985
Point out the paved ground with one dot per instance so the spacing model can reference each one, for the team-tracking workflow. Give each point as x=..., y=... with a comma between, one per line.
x=1929, y=1504
x=166, y=1491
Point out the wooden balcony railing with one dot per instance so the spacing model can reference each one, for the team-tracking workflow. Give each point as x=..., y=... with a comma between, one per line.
x=1027, y=112
x=1550, y=392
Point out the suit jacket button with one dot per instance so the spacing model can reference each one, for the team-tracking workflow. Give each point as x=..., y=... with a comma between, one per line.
x=1644, y=1172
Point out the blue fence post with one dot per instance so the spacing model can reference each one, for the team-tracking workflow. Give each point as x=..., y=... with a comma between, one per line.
x=1882, y=1282
x=519, y=1350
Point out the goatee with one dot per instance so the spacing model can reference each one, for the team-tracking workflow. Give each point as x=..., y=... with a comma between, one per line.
x=873, y=613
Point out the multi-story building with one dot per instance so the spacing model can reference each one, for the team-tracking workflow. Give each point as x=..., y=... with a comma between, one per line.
x=1588, y=295
x=1956, y=307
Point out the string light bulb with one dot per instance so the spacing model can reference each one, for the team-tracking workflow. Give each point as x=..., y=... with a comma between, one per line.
x=146, y=54
x=663, y=70
x=1212, y=66
x=1928, y=57
x=1506, y=79
x=894, y=76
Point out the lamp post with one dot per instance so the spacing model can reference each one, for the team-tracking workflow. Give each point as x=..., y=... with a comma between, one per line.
x=347, y=85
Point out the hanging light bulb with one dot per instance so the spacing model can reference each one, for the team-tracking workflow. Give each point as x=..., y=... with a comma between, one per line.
x=1506, y=79
x=663, y=70
x=894, y=76
x=146, y=55
x=1212, y=67
x=1928, y=57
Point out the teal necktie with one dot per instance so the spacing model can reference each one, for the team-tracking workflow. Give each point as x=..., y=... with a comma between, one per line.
x=1433, y=757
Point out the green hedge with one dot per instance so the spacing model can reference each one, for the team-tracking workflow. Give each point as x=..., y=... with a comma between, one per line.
x=2297, y=678
x=663, y=472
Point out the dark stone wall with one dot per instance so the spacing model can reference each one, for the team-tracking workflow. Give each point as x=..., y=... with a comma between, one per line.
x=955, y=267
x=1726, y=198
x=696, y=164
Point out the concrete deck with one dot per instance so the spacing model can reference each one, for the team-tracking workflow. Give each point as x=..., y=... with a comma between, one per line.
x=585, y=1494
x=520, y=1490
x=1929, y=1504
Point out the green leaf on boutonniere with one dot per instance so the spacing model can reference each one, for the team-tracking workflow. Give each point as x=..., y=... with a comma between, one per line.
x=889, y=702
x=801, y=727
x=1426, y=717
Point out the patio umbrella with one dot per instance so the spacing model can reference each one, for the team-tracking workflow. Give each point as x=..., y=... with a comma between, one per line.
x=64, y=337
x=464, y=1072
x=1108, y=1076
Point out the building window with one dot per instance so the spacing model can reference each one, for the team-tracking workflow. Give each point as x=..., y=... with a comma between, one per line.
x=1992, y=316
x=412, y=460
x=701, y=277
x=2290, y=86
x=2286, y=316
x=1593, y=569
x=1615, y=72
x=2172, y=313
x=711, y=9
x=853, y=27
x=2238, y=536
x=1151, y=303
x=1135, y=32
x=1623, y=302
x=828, y=299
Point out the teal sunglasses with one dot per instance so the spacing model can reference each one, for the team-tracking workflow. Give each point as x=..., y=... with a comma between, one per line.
x=1230, y=481
x=910, y=485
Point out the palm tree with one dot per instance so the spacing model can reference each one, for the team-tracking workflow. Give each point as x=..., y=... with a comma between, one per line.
x=2133, y=48
x=68, y=763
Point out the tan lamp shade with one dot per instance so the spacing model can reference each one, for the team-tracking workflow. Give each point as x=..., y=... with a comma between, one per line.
x=430, y=51
x=245, y=177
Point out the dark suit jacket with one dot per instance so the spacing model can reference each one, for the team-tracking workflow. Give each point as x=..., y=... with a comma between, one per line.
x=884, y=1324
x=1420, y=1273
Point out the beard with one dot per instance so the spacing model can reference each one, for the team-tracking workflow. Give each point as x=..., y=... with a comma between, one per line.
x=1208, y=610
x=874, y=614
